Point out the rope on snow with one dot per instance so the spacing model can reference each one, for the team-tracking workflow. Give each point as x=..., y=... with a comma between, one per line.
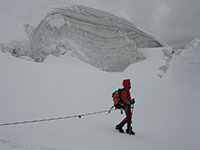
x=57, y=118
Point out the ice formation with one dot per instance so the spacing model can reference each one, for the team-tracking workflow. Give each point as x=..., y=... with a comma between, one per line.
x=98, y=38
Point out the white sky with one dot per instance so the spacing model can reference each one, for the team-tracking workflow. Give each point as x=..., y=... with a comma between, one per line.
x=176, y=22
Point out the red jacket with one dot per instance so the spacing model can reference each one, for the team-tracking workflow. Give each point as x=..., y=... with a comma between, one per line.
x=125, y=94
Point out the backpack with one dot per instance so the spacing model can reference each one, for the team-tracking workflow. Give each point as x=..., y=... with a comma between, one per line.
x=118, y=102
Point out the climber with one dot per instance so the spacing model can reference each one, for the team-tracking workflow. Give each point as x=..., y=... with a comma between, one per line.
x=126, y=99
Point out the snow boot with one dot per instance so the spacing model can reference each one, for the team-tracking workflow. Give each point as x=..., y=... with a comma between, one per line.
x=130, y=131
x=119, y=127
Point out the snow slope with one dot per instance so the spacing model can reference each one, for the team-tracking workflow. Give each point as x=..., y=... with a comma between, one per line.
x=166, y=110
x=165, y=115
x=187, y=64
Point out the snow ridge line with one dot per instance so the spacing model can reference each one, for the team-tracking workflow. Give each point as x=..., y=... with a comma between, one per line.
x=57, y=118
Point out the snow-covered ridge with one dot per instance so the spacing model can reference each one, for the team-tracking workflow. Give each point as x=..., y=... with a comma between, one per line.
x=101, y=39
x=193, y=45
x=182, y=62
x=187, y=64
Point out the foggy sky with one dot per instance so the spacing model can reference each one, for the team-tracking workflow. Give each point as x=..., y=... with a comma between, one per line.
x=176, y=22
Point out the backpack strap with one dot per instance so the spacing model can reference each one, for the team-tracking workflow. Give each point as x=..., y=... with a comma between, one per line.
x=126, y=98
x=120, y=96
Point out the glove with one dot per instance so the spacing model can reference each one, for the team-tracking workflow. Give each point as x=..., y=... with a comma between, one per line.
x=132, y=101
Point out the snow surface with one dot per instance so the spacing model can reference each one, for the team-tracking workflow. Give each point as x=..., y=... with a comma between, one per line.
x=166, y=110
x=165, y=115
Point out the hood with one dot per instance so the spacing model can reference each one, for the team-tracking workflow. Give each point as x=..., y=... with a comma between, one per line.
x=126, y=83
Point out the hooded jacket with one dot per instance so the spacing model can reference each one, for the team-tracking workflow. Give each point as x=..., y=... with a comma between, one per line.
x=125, y=94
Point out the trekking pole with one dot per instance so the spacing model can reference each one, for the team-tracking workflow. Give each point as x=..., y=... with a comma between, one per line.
x=132, y=106
x=110, y=109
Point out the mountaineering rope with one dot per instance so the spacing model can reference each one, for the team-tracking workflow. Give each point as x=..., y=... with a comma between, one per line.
x=57, y=118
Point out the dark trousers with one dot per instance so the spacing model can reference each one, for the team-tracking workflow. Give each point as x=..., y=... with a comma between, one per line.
x=127, y=119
